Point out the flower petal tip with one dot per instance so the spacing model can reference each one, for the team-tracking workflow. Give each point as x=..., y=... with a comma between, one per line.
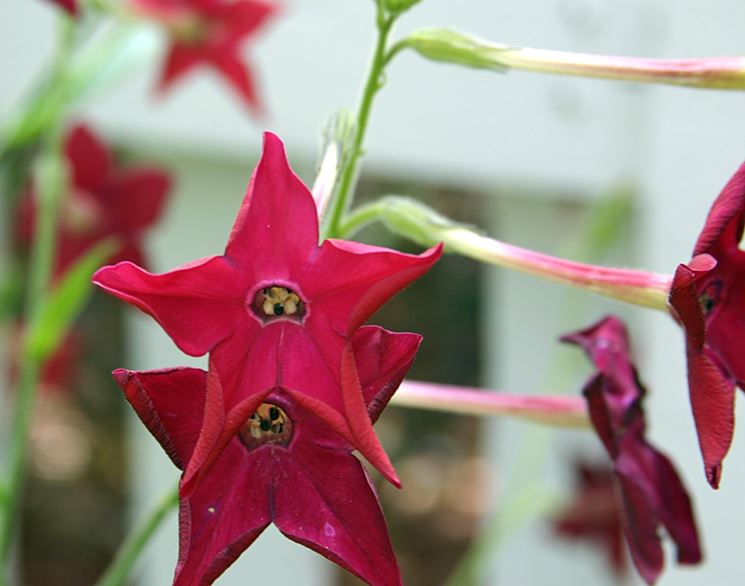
x=714, y=475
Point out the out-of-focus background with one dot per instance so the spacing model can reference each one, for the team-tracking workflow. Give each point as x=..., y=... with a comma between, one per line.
x=526, y=157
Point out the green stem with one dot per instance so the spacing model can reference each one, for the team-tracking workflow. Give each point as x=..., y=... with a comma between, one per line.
x=50, y=185
x=373, y=84
x=130, y=551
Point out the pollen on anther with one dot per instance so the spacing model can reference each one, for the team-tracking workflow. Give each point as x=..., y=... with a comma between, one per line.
x=277, y=301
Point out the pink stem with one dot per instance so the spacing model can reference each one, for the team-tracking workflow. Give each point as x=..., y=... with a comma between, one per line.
x=560, y=411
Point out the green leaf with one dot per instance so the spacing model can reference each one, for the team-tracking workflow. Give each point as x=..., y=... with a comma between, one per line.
x=59, y=309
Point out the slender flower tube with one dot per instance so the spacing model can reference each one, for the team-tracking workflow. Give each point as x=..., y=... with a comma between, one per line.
x=422, y=224
x=454, y=47
x=550, y=410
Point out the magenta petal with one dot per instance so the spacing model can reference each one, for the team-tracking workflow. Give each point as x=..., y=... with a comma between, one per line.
x=724, y=224
x=599, y=413
x=684, y=297
x=70, y=6
x=136, y=198
x=224, y=515
x=89, y=159
x=713, y=403
x=242, y=18
x=198, y=304
x=383, y=358
x=170, y=402
x=353, y=280
x=236, y=73
x=675, y=511
x=329, y=505
x=314, y=490
x=640, y=520
x=180, y=60
x=277, y=225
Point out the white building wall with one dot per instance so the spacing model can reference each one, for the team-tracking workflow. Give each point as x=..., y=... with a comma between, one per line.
x=477, y=128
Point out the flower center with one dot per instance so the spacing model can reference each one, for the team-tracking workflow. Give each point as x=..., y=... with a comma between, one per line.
x=277, y=301
x=188, y=28
x=80, y=213
x=710, y=297
x=268, y=425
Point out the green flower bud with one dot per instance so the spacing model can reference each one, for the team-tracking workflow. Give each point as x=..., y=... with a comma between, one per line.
x=453, y=47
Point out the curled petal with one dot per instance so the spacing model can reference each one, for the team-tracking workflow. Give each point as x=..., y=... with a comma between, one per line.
x=724, y=224
x=684, y=297
x=713, y=402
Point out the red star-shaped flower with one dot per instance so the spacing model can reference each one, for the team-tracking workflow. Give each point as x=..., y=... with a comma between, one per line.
x=284, y=465
x=71, y=6
x=102, y=200
x=276, y=310
x=651, y=491
x=708, y=296
x=595, y=515
x=209, y=32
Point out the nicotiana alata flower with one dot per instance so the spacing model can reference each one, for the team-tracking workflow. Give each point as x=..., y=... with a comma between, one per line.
x=651, y=492
x=276, y=310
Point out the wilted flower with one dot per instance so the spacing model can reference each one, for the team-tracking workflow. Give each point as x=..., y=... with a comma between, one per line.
x=652, y=494
x=595, y=514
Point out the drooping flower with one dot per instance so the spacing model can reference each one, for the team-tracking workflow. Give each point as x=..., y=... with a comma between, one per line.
x=595, y=515
x=283, y=465
x=276, y=310
x=708, y=296
x=71, y=6
x=210, y=32
x=102, y=200
x=652, y=494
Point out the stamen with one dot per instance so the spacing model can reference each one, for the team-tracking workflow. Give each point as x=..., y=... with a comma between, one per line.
x=268, y=425
x=278, y=301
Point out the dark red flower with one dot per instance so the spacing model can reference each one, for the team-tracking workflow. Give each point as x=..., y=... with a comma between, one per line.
x=652, y=493
x=71, y=6
x=276, y=310
x=708, y=296
x=102, y=200
x=595, y=515
x=209, y=32
x=59, y=368
x=283, y=465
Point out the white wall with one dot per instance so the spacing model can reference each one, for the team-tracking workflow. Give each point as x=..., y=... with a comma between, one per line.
x=480, y=129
